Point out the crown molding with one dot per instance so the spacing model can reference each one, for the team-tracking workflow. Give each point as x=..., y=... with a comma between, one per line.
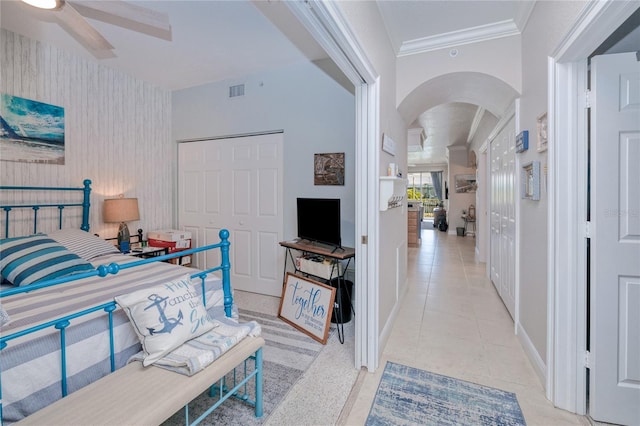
x=477, y=118
x=523, y=14
x=457, y=38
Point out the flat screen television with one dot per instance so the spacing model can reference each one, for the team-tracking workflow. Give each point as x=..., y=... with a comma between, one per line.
x=319, y=220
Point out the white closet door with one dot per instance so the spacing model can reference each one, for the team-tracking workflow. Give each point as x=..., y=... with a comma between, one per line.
x=236, y=184
x=494, y=208
x=503, y=216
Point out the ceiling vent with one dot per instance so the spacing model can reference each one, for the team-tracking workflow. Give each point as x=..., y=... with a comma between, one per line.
x=415, y=139
x=235, y=91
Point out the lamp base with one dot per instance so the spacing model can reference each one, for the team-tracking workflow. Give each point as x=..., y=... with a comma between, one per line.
x=124, y=238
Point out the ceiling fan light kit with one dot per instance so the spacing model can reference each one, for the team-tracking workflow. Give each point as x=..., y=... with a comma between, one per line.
x=45, y=4
x=72, y=16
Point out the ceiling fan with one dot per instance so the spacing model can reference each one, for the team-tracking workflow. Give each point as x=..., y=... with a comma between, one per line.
x=71, y=16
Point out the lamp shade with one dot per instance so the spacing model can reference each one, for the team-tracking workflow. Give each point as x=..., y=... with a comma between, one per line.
x=121, y=210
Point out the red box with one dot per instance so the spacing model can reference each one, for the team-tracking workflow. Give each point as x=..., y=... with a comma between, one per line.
x=171, y=245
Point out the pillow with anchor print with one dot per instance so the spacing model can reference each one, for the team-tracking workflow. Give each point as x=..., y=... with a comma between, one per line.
x=165, y=316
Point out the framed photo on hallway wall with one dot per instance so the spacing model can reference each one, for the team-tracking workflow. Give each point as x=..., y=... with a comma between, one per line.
x=542, y=132
x=465, y=183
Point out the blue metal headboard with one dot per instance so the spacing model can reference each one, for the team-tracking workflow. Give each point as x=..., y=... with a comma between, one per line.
x=86, y=189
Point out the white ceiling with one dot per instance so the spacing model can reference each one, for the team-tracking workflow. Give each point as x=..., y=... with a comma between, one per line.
x=220, y=40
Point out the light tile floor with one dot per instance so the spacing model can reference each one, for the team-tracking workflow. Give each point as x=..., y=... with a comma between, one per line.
x=453, y=322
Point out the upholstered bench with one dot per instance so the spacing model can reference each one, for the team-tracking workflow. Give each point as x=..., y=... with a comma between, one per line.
x=137, y=395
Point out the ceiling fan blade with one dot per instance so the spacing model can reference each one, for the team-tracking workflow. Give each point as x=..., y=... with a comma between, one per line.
x=77, y=26
x=126, y=15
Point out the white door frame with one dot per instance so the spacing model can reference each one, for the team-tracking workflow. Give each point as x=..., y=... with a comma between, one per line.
x=330, y=29
x=566, y=314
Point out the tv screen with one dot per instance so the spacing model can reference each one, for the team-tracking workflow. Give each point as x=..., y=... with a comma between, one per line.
x=319, y=220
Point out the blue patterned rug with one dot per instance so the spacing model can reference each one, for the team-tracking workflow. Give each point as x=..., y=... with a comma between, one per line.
x=409, y=396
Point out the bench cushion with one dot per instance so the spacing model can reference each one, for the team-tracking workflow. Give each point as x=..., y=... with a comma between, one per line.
x=137, y=395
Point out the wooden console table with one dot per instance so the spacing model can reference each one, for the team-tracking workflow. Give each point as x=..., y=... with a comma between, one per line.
x=335, y=256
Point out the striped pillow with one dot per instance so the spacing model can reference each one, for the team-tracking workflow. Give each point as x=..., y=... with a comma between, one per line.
x=27, y=260
x=82, y=243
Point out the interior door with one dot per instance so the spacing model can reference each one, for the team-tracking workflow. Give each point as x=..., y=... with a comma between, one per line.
x=614, y=387
x=496, y=195
x=503, y=219
x=508, y=291
x=236, y=183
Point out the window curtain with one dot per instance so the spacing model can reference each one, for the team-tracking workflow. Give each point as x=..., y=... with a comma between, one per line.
x=436, y=180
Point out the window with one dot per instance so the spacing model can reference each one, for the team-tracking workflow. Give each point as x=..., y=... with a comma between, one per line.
x=427, y=188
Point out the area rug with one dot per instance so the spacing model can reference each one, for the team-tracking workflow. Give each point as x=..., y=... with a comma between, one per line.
x=287, y=354
x=409, y=396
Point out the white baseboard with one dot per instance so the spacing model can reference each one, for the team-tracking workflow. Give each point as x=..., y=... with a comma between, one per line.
x=536, y=361
x=388, y=327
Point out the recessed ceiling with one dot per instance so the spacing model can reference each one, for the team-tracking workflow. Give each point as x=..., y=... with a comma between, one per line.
x=444, y=125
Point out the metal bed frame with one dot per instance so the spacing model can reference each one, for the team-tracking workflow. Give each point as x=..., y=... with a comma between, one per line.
x=86, y=190
x=223, y=389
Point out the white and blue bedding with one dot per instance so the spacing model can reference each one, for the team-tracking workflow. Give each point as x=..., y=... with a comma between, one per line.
x=30, y=365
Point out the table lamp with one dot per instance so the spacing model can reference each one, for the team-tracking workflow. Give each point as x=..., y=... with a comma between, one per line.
x=121, y=210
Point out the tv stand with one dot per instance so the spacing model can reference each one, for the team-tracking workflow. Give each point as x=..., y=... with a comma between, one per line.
x=326, y=246
x=334, y=271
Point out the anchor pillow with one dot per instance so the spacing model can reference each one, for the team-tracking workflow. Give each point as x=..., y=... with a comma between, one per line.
x=165, y=316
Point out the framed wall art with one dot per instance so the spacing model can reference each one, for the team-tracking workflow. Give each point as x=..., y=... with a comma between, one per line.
x=388, y=145
x=543, y=137
x=531, y=181
x=307, y=305
x=465, y=183
x=32, y=131
x=328, y=169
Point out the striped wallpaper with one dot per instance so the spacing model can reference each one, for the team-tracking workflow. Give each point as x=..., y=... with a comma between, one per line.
x=117, y=132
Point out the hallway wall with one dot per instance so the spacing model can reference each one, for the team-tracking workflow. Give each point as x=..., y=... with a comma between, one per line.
x=365, y=22
x=547, y=25
x=498, y=58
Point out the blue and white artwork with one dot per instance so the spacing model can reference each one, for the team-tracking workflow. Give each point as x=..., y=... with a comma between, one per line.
x=31, y=131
